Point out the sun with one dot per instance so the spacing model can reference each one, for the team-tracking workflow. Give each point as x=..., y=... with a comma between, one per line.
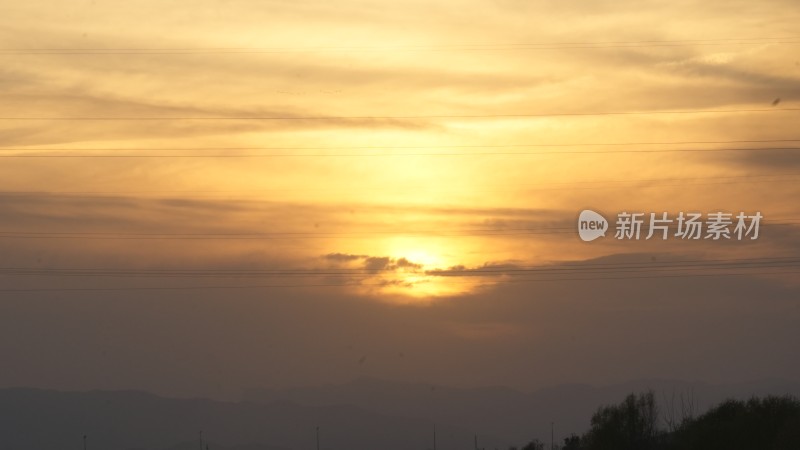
x=413, y=282
x=412, y=269
x=431, y=253
x=423, y=257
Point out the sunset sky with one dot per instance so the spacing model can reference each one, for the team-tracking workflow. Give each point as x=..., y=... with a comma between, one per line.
x=202, y=197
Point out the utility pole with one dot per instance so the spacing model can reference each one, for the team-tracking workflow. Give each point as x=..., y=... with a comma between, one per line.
x=552, y=442
x=201, y=440
x=84, y=442
x=434, y=436
x=317, y=438
x=476, y=442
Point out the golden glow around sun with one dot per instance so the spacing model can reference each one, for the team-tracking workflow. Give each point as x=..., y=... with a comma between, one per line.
x=411, y=281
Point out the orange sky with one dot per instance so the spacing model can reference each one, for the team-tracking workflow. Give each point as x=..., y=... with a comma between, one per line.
x=273, y=135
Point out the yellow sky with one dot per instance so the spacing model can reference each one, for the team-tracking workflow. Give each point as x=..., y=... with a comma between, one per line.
x=275, y=189
x=385, y=162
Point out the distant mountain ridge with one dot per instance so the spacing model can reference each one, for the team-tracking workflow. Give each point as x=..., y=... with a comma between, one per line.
x=365, y=414
x=516, y=416
x=36, y=419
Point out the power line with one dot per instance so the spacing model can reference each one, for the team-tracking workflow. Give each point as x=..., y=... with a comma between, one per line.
x=287, y=236
x=359, y=155
x=398, y=147
x=306, y=235
x=312, y=285
x=552, y=186
x=411, y=117
x=404, y=48
x=737, y=39
x=581, y=267
x=628, y=277
x=257, y=236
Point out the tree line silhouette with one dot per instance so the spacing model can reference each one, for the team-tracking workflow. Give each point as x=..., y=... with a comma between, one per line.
x=769, y=423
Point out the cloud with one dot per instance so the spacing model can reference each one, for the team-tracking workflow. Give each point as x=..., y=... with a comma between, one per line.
x=277, y=288
x=343, y=257
x=591, y=319
x=373, y=264
x=405, y=263
x=776, y=160
x=489, y=269
x=595, y=331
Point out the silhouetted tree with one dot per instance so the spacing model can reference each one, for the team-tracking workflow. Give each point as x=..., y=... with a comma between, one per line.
x=677, y=415
x=631, y=425
x=535, y=444
x=772, y=423
x=573, y=442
